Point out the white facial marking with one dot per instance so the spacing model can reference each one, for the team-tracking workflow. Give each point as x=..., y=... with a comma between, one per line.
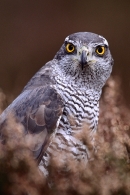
x=104, y=40
x=67, y=38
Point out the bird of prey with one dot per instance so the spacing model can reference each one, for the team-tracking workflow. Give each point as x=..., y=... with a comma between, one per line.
x=67, y=87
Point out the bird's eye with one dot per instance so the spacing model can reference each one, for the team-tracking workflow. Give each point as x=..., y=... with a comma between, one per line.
x=100, y=50
x=70, y=48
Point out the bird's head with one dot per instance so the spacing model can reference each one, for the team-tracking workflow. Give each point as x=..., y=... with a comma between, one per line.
x=85, y=59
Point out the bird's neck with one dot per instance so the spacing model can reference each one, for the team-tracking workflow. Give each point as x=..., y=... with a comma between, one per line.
x=78, y=81
x=87, y=89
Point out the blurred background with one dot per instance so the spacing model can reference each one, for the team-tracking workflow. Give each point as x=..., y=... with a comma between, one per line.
x=31, y=32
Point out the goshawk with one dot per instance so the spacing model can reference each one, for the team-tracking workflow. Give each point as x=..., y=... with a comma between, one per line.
x=63, y=95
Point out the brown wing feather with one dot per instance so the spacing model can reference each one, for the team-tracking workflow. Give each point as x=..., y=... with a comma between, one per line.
x=44, y=120
x=38, y=109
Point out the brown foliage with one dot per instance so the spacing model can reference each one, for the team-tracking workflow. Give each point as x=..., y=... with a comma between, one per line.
x=107, y=172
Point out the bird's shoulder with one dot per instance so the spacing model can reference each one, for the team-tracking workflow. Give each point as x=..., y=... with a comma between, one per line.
x=38, y=108
x=43, y=77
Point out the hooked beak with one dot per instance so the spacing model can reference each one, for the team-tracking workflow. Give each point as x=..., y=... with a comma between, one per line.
x=83, y=59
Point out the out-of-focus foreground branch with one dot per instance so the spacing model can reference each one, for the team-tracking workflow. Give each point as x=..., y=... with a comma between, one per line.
x=107, y=173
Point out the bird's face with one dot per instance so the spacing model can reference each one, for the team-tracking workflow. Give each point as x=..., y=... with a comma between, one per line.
x=86, y=58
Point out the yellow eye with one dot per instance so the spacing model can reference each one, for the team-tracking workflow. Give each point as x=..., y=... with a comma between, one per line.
x=100, y=50
x=70, y=47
